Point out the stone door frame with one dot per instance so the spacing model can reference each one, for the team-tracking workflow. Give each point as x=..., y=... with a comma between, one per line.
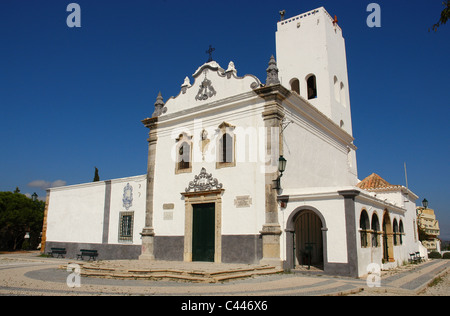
x=205, y=197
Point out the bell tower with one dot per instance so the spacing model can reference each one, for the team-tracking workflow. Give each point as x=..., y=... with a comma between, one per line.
x=311, y=59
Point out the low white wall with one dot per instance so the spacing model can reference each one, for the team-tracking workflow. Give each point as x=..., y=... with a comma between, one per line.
x=75, y=213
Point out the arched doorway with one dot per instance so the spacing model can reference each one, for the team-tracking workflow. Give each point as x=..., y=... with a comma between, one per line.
x=308, y=240
x=388, y=244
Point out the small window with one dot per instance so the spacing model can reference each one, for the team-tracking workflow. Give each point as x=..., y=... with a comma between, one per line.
x=184, y=160
x=312, y=87
x=295, y=85
x=126, y=226
x=226, y=147
x=225, y=154
x=183, y=154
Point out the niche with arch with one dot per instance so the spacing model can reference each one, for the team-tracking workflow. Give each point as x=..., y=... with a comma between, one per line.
x=295, y=85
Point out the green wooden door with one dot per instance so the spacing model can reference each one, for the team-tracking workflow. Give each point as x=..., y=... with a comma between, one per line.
x=203, y=232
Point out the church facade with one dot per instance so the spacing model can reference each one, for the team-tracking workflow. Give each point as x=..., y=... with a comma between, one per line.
x=245, y=171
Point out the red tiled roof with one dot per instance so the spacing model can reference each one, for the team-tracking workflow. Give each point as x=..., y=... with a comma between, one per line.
x=374, y=181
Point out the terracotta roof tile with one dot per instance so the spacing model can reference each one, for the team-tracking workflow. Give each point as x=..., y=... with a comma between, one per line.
x=374, y=181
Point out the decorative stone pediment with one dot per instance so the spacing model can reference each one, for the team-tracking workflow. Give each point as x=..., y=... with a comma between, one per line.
x=204, y=182
x=206, y=91
x=211, y=84
x=224, y=125
x=212, y=65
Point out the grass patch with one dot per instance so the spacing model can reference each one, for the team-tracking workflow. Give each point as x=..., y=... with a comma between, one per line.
x=436, y=281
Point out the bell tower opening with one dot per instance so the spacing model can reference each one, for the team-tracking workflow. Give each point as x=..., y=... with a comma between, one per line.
x=312, y=87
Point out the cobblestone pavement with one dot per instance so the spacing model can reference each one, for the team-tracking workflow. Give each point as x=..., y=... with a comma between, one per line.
x=28, y=274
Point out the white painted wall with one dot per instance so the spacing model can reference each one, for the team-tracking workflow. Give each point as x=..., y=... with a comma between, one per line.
x=316, y=156
x=310, y=43
x=244, y=179
x=223, y=87
x=328, y=202
x=139, y=185
x=75, y=213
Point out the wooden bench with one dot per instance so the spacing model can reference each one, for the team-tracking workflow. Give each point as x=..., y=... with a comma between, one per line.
x=412, y=258
x=92, y=254
x=60, y=252
x=419, y=258
x=415, y=257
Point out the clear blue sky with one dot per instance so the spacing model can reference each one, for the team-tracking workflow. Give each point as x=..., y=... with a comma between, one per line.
x=73, y=98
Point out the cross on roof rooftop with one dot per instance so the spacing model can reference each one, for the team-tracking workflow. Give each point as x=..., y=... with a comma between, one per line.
x=210, y=51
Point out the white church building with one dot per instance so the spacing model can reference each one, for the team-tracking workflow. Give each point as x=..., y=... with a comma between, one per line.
x=245, y=171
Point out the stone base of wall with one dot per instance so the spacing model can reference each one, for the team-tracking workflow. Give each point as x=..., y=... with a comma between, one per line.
x=235, y=249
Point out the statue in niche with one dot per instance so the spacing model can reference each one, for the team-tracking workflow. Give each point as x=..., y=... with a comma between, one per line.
x=204, y=143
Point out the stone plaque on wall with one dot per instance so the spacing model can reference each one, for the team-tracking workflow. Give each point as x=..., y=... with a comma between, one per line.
x=168, y=206
x=168, y=216
x=243, y=201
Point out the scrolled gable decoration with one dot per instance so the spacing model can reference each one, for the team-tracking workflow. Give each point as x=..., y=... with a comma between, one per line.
x=203, y=182
x=206, y=90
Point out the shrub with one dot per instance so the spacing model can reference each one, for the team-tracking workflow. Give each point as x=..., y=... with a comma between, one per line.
x=434, y=255
x=446, y=255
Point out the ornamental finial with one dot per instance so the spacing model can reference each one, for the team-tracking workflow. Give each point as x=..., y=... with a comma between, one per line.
x=159, y=106
x=272, y=72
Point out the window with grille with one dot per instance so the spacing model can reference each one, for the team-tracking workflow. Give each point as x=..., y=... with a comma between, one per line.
x=126, y=226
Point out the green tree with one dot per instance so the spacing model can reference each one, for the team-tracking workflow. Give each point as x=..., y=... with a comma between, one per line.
x=445, y=15
x=19, y=215
x=96, y=176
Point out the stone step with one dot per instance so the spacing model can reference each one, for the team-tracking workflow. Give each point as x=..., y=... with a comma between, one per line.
x=95, y=270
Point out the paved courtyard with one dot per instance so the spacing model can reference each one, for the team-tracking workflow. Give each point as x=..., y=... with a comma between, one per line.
x=28, y=274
